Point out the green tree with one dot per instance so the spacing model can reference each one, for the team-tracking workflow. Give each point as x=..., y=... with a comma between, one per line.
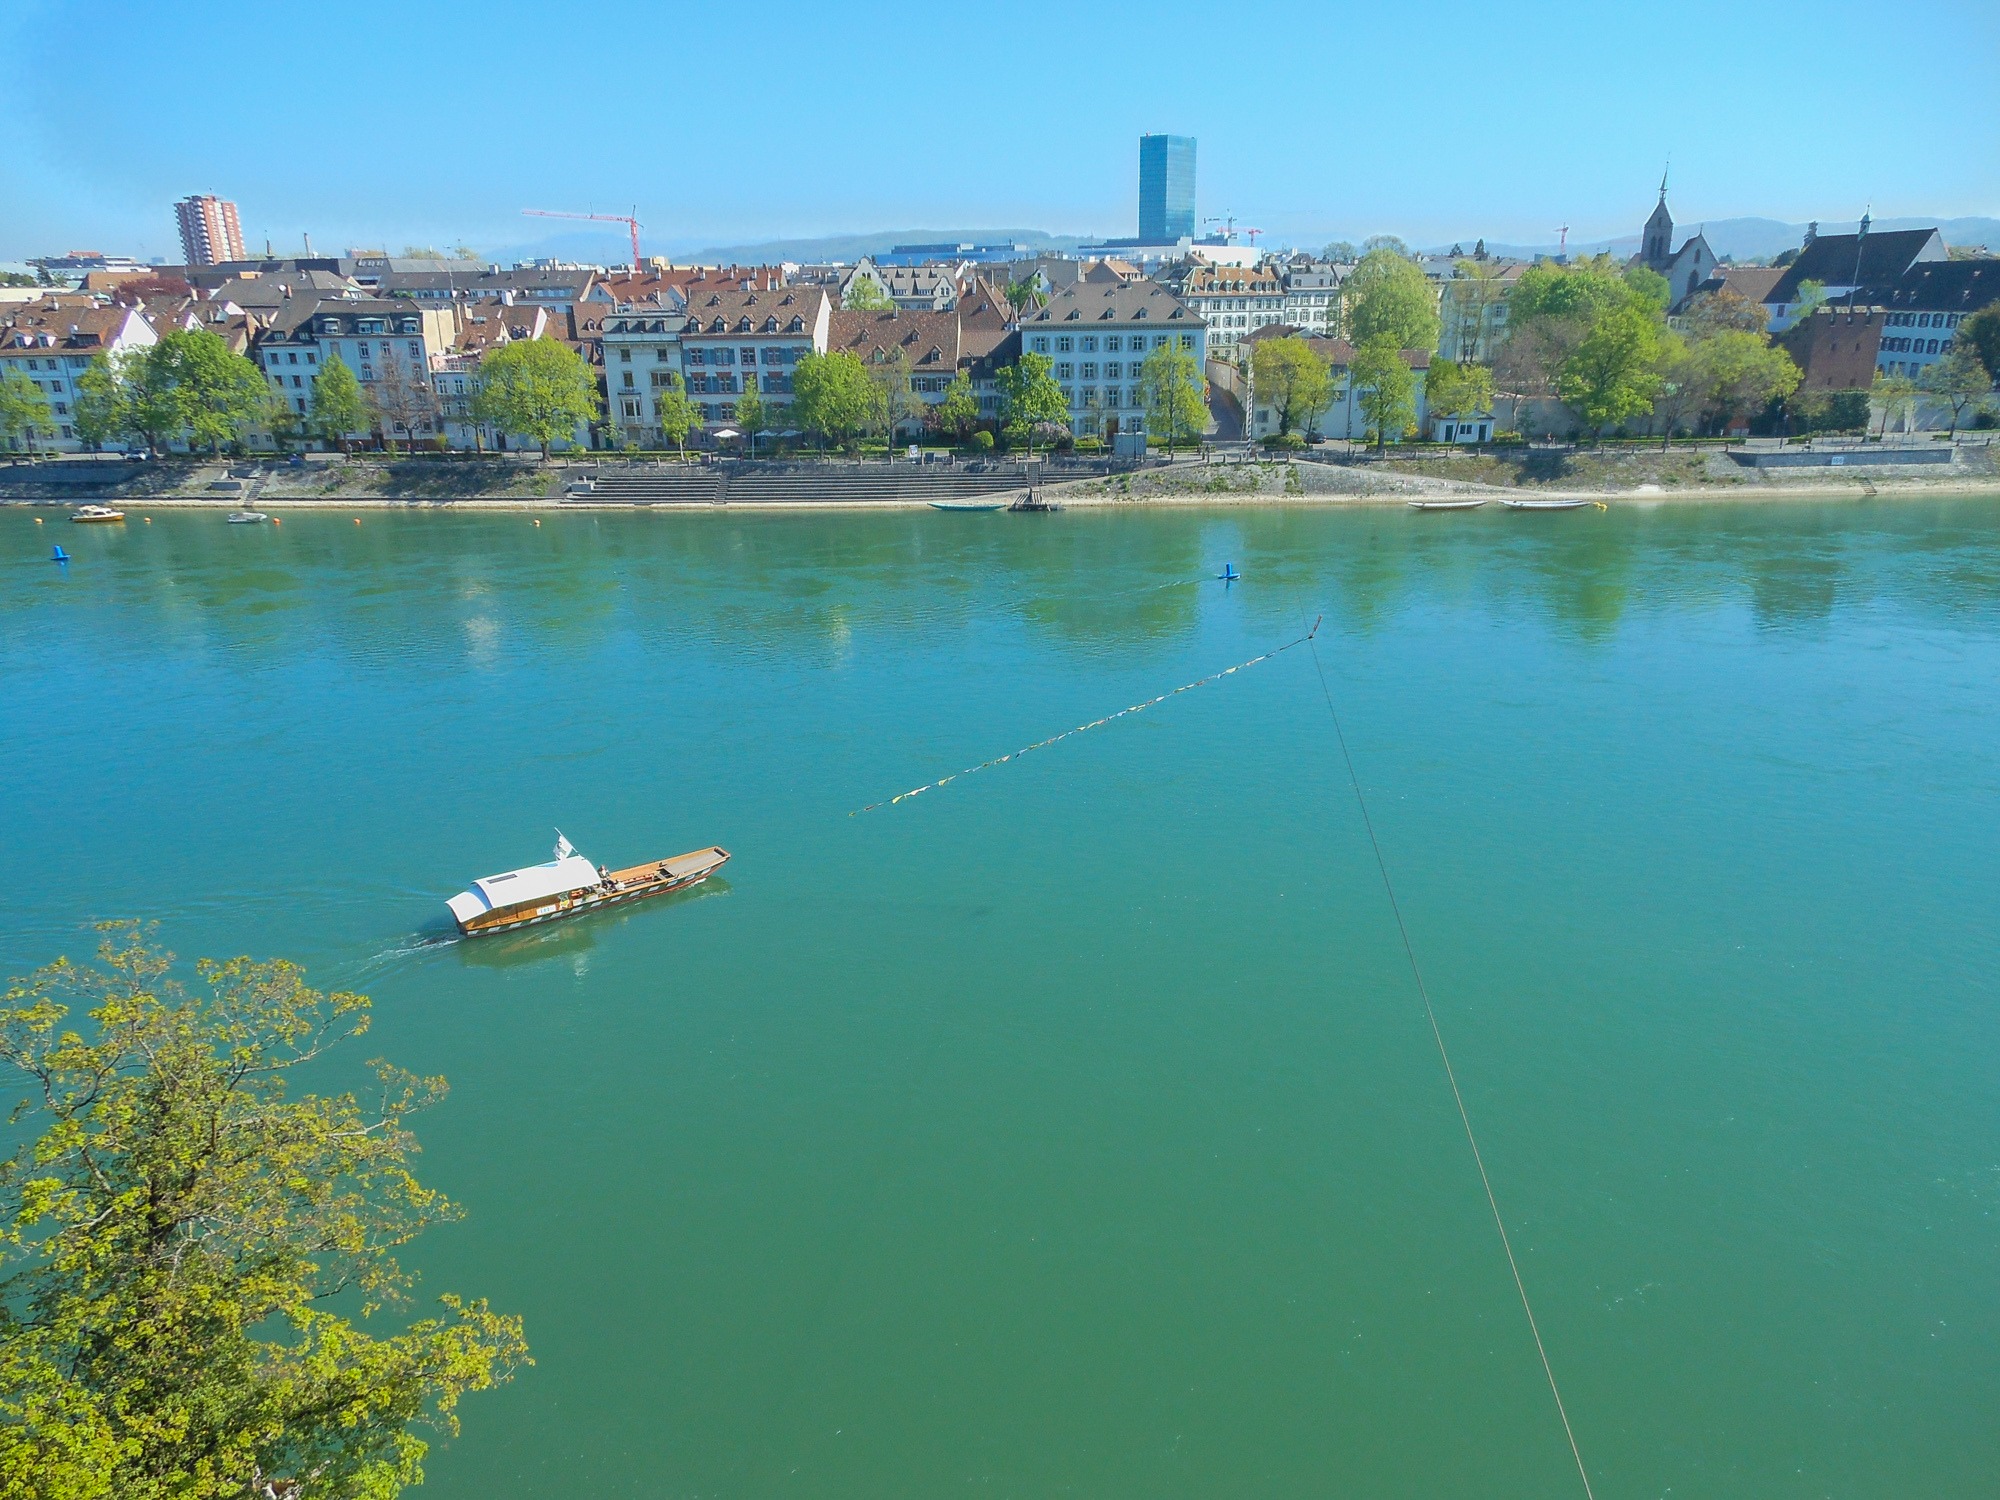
x=1384, y=387
x=1649, y=286
x=99, y=409
x=24, y=410
x=1175, y=394
x=674, y=412
x=1030, y=398
x=1027, y=294
x=1960, y=381
x=1455, y=389
x=1613, y=375
x=896, y=402
x=177, y=1224
x=1895, y=397
x=1294, y=380
x=959, y=410
x=865, y=294
x=1982, y=332
x=211, y=394
x=749, y=413
x=338, y=407
x=1811, y=298
x=1685, y=389
x=1723, y=311
x=1389, y=295
x=537, y=388
x=832, y=396
x=1744, y=373
x=1550, y=311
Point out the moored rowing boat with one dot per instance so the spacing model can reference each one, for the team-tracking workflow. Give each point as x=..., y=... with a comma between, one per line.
x=570, y=884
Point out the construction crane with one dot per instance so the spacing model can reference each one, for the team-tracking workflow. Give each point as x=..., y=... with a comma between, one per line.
x=627, y=220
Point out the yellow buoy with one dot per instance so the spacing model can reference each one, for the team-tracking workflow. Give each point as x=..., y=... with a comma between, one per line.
x=538, y=521
x=149, y=520
x=38, y=520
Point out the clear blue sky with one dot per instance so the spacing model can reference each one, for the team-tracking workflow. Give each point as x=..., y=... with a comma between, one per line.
x=434, y=123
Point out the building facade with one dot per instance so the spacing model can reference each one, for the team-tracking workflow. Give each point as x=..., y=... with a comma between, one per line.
x=1166, y=188
x=390, y=344
x=724, y=343
x=51, y=342
x=210, y=230
x=1231, y=301
x=1097, y=336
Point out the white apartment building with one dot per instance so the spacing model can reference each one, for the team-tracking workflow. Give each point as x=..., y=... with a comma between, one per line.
x=1311, y=296
x=1098, y=335
x=725, y=343
x=50, y=343
x=383, y=340
x=1232, y=301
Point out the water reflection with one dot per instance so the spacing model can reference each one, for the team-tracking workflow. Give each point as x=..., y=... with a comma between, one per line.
x=480, y=591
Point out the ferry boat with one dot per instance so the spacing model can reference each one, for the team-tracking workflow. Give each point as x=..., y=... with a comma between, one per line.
x=569, y=884
x=98, y=513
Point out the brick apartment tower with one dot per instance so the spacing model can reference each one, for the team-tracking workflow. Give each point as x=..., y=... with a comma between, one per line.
x=210, y=230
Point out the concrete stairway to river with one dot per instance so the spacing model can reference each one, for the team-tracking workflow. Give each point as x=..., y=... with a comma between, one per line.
x=797, y=484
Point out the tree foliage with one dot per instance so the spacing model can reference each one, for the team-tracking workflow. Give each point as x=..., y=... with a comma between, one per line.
x=1030, y=398
x=1723, y=311
x=865, y=294
x=1384, y=387
x=178, y=1225
x=1895, y=399
x=1455, y=389
x=1959, y=381
x=959, y=410
x=538, y=389
x=1744, y=373
x=1613, y=373
x=674, y=412
x=338, y=407
x=1389, y=296
x=24, y=410
x=204, y=390
x=1175, y=394
x=1294, y=380
x=99, y=410
x=1982, y=332
x=832, y=396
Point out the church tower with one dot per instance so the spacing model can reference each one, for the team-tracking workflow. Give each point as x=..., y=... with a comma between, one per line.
x=1656, y=247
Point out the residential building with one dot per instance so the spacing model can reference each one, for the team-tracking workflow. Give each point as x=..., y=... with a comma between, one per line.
x=923, y=288
x=1842, y=264
x=1166, y=188
x=1098, y=334
x=1836, y=348
x=50, y=342
x=1231, y=301
x=1923, y=307
x=1344, y=417
x=210, y=230
x=389, y=343
x=934, y=346
x=721, y=344
x=1312, y=297
x=482, y=327
x=69, y=268
x=1472, y=301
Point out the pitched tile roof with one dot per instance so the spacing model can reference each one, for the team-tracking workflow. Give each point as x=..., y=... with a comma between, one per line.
x=1831, y=258
x=1115, y=302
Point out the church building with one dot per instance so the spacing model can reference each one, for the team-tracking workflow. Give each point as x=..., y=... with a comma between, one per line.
x=1685, y=268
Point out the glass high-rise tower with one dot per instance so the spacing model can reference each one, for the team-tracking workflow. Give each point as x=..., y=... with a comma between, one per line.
x=1166, y=188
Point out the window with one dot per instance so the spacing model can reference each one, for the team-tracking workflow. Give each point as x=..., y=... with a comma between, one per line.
x=631, y=408
x=1089, y=345
x=62, y=411
x=1041, y=346
x=1090, y=370
x=1112, y=343
x=625, y=356
x=1063, y=344
x=1065, y=372
x=416, y=350
x=749, y=356
x=1187, y=341
x=696, y=356
x=1113, y=370
x=628, y=380
x=311, y=358
x=1923, y=320
x=725, y=356
x=297, y=383
x=774, y=356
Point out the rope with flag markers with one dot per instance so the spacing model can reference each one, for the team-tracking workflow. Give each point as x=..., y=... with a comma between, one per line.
x=1137, y=708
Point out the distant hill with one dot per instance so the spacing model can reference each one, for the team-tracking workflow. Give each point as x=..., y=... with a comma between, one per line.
x=1755, y=239
x=612, y=248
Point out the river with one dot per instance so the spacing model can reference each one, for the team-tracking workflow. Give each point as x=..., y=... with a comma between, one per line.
x=1076, y=1128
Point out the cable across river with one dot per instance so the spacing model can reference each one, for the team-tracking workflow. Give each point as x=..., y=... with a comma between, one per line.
x=1001, y=760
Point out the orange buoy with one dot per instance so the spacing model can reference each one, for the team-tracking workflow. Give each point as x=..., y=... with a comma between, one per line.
x=357, y=520
x=277, y=521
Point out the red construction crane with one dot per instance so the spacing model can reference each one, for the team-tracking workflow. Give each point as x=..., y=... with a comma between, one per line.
x=1253, y=233
x=626, y=219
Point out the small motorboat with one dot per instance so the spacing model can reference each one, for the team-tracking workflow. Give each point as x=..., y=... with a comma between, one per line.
x=569, y=884
x=1447, y=504
x=1545, y=504
x=968, y=505
x=98, y=513
x=246, y=517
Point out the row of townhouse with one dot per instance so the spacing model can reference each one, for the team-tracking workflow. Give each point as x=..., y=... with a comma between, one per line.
x=1097, y=336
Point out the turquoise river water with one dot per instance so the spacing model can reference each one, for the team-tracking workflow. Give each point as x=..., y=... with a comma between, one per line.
x=1076, y=1129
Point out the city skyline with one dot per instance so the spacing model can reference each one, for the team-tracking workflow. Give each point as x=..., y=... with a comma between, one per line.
x=326, y=150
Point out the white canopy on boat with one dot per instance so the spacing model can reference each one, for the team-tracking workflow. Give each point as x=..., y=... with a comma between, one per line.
x=558, y=878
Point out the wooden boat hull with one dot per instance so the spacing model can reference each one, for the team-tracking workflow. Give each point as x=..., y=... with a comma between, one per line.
x=1446, y=504
x=635, y=883
x=1545, y=504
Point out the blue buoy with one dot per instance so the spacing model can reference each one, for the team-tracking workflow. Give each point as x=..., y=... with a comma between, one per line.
x=1229, y=574
x=60, y=555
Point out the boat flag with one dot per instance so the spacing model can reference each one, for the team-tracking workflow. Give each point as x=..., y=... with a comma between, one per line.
x=564, y=848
